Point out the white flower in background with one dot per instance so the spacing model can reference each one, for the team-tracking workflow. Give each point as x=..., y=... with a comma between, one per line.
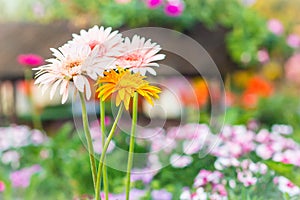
x=282, y=129
x=140, y=55
x=180, y=161
x=264, y=151
x=246, y=177
x=109, y=43
x=12, y=157
x=16, y=136
x=232, y=183
x=192, y=146
x=154, y=162
x=222, y=163
x=200, y=194
x=186, y=195
x=37, y=137
x=71, y=66
x=122, y=1
x=167, y=106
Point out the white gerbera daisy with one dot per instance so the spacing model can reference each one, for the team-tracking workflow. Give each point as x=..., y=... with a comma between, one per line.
x=139, y=55
x=110, y=43
x=71, y=66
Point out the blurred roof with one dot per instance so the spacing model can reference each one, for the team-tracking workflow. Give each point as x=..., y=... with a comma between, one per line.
x=24, y=38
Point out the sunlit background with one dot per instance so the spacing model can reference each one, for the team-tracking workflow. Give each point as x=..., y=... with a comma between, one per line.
x=255, y=45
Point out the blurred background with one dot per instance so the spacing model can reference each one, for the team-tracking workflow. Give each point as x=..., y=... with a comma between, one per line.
x=254, y=43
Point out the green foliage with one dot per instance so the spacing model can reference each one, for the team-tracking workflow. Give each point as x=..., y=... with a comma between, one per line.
x=279, y=109
x=289, y=171
x=175, y=179
x=247, y=36
x=237, y=115
x=247, y=29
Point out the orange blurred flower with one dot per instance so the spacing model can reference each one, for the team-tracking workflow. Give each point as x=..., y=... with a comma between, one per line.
x=25, y=86
x=201, y=94
x=256, y=88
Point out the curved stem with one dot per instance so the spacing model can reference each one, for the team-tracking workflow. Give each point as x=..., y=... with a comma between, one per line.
x=102, y=121
x=88, y=138
x=131, y=145
x=101, y=162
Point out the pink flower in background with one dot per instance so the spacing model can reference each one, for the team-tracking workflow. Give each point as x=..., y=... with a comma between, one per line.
x=246, y=177
x=286, y=186
x=263, y=56
x=292, y=69
x=107, y=121
x=30, y=60
x=275, y=26
x=38, y=9
x=153, y=3
x=102, y=195
x=145, y=175
x=122, y=1
x=263, y=136
x=207, y=177
x=220, y=189
x=293, y=40
x=235, y=142
x=161, y=195
x=288, y=157
x=21, y=178
x=174, y=8
x=38, y=137
x=2, y=186
x=264, y=151
x=97, y=137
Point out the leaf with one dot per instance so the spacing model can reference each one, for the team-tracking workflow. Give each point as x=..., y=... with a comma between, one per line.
x=287, y=170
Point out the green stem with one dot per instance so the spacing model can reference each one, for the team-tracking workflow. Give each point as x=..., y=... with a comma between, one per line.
x=101, y=162
x=88, y=139
x=102, y=120
x=36, y=120
x=131, y=145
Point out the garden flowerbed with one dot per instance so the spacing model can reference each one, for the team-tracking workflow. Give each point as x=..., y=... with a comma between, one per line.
x=190, y=162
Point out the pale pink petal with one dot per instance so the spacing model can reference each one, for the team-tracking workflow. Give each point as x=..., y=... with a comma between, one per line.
x=79, y=83
x=54, y=87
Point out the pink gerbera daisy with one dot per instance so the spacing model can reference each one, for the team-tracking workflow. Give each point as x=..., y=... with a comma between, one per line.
x=139, y=55
x=110, y=43
x=71, y=66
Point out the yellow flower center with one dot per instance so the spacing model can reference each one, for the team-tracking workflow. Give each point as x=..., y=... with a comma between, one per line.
x=73, y=64
x=71, y=70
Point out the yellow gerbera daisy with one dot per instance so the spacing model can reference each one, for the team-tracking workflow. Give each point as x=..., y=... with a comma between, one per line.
x=124, y=84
